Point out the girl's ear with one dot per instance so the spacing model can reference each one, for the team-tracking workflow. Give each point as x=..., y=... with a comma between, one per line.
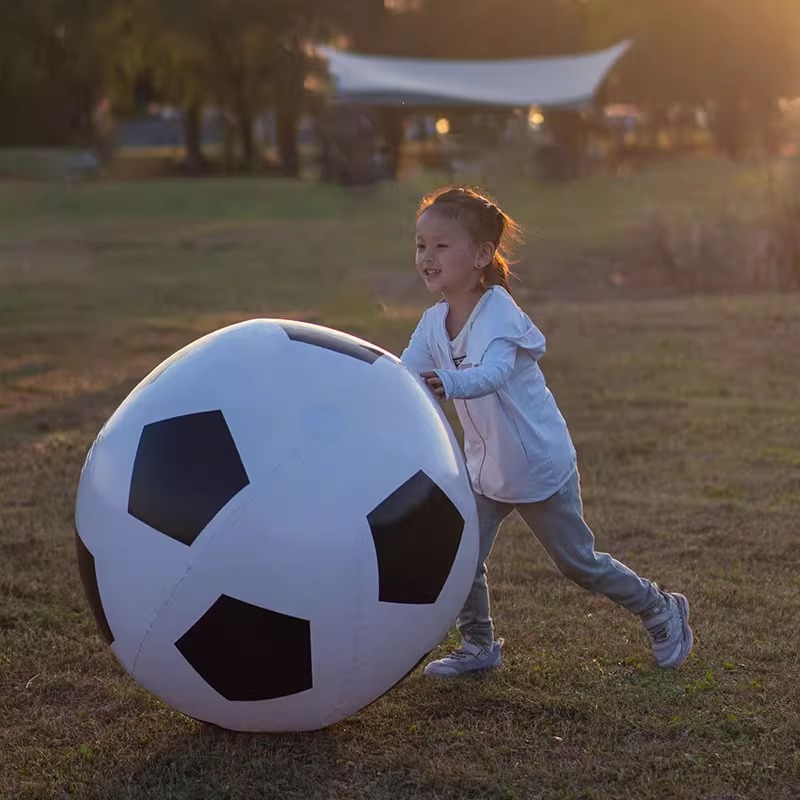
x=485, y=255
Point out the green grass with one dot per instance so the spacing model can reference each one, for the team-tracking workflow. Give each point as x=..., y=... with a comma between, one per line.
x=42, y=163
x=684, y=412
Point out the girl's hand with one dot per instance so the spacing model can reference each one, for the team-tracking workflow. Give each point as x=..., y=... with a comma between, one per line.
x=433, y=382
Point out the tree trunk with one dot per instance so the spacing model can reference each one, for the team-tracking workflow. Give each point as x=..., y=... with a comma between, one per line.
x=765, y=118
x=192, y=124
x=392, y=123
x=568, y=133
x=287, y=123
x=246, y=138
x=729, y=127
x=228, y=141
x=290, y=77
x=656, y=122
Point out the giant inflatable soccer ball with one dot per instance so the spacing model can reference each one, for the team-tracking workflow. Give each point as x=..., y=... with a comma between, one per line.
x=275, y=527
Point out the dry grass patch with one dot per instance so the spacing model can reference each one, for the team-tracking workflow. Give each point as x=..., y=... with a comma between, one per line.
x=686, y=418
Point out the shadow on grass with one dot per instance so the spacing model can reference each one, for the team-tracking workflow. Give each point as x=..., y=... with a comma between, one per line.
x=389, y=750
x=214, y=763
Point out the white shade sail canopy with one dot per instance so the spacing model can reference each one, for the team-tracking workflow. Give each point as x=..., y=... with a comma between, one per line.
x=552, y=81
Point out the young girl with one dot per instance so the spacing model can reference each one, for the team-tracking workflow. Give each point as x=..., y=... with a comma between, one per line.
x=478, y=348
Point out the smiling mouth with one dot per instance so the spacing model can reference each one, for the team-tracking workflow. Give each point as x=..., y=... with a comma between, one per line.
x=430, y=273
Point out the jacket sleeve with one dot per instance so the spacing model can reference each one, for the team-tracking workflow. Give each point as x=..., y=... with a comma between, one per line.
x=417, y=356
x=488, y=377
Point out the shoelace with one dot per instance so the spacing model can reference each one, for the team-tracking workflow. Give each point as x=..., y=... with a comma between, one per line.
x=461, y=653
x=660, y=633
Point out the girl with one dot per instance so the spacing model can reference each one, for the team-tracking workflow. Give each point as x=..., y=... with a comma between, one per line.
x=477, y=347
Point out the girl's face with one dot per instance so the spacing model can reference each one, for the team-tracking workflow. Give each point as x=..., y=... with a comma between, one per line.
x=449, y=260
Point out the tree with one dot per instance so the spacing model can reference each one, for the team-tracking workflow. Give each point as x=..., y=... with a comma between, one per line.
x=48, y=71
x=136, y=47
x=298, y=25
x=736, y=56
x=219, y=52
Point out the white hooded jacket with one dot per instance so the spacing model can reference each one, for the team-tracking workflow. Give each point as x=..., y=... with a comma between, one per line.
x=516, y=441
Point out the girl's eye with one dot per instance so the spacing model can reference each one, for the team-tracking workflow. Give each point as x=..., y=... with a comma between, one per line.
x=420, y=246
x=441, y=245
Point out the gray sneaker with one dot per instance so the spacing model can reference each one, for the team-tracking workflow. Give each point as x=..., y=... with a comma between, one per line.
x=669, y=631
x=470, y=657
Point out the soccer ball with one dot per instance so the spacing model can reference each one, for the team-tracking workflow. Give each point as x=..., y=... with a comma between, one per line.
x=275, y=527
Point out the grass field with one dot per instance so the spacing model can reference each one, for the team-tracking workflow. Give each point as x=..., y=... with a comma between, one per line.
x=685, y=413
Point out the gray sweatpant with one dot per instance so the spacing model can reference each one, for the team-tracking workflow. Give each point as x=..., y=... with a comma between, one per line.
x=559, y=525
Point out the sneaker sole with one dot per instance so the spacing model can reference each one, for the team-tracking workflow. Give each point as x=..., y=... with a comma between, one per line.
x=432, y=674
x=683, y=609
x=493, y=665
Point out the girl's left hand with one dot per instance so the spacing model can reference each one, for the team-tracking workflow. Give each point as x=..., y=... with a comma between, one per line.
x=433, y=382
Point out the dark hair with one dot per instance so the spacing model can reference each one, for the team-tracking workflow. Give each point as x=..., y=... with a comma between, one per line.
x=485, y=221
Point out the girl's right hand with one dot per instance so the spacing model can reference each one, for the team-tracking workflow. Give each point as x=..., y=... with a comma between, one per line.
x=434, y=383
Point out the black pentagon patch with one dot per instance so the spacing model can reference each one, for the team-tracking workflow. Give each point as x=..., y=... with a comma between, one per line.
x=186, y=469
x=91, y=589
x=416, y=532
x=245, y=652
x=331, y=340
